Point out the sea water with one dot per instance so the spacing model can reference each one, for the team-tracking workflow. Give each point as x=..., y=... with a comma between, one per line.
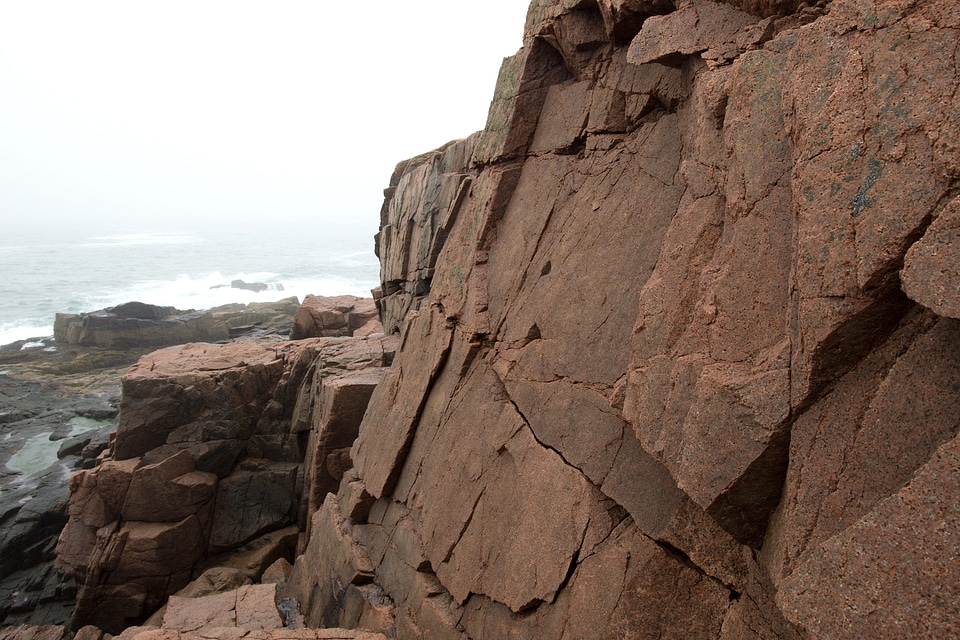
x=48, y=271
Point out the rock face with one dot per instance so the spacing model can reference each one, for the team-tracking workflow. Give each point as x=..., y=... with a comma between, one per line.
x=207, y=459
x=137, y=325
x=678, y=339
x=331, y=316
x=422, y=203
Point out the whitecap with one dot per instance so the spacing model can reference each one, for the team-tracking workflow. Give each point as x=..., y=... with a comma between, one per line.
x=16, y=331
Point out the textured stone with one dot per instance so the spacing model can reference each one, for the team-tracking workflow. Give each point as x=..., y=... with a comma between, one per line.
x=250, y=607
x=237, y=633
x=893, y=573
x=179, y=385
x=862, y=443
x=321, y=316
x=332, y=565
x=664, y=368
x=521, y=89
x=695, y=27
x=930, y=275
x=426, y=195
x=380, y=454
x=28, y=632
x=257, y=497
x=172, y=483
x=340, y=405
x=671, y=292
x=234, y=408
x=254, y=557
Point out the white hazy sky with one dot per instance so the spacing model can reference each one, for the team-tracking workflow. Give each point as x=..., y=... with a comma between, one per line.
x=148, y=114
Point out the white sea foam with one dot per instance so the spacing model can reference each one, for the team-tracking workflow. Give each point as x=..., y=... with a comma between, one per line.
x=62, y=274
x=214, y=290
x=15, y=331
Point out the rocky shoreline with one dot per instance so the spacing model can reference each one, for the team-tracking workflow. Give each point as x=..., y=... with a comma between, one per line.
x=60, y=401
x=672, y=351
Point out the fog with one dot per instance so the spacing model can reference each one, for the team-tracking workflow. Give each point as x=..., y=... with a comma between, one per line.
x=193, y=114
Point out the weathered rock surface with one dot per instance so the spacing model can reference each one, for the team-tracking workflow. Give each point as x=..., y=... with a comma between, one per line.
x=37, y=454
x=138, y=325
x=207, y=460
x=423, y=200
x=325, y=316
x=251, y=607
x=239, y=633
x=38, y=632
x=678, y=340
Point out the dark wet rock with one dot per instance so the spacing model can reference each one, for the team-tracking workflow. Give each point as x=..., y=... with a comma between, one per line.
x=136, y=325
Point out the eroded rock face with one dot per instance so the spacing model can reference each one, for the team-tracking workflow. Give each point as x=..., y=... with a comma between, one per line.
x=423, y=201
x=207, y=460
x=325, y=316
x=686, y=365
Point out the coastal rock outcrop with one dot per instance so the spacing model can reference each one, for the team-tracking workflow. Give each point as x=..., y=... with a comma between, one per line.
x=331, y=316
x=45, y=433
x=422, y=203
x=205, y=462
x=137, y=325
x=677, y=340
x=672, y=351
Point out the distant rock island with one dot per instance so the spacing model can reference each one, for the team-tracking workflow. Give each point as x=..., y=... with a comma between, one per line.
x=138, y=325
x=671, y=350
x=256, y=287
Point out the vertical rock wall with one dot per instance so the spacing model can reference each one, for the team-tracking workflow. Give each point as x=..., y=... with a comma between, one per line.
x=679, y=342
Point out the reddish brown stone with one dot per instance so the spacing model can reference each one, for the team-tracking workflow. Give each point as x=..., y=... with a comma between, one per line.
x=379, y=451
x=661, y=378
x=250, y=607
x=320, y=316
x=172, y=483
x=179, y=385
x=696, y=26
x=930, y=274
x=29, y=632
x=893, y=573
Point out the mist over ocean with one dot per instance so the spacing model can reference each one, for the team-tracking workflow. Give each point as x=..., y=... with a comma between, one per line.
x=46, y=271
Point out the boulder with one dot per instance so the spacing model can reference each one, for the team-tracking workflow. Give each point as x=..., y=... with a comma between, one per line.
x=321, y=316
x=251, y=607
x=231, y=383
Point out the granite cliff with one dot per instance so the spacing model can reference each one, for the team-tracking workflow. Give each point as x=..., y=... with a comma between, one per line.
x=682, y=354
x=678, y=357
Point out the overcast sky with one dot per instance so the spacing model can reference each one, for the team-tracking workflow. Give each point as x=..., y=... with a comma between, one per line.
x=144, y=114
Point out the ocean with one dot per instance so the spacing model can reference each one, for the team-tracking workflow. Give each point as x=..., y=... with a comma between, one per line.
x=50, y=271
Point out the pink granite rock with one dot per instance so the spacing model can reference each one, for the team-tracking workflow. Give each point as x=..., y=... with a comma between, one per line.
x=322, y=316
x=666, y=333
